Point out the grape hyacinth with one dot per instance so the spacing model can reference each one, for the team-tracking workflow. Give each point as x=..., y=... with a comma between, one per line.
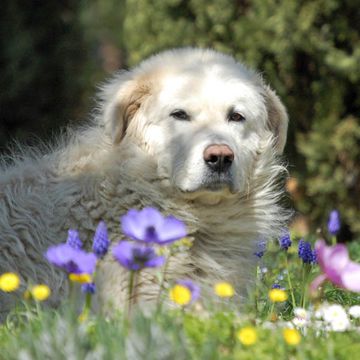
x=101, y=240
x=334, y=223
x=284, y=240
x=277, y=286
x=306, y=254
x=150, y=226
x=260, y=249
x=89, y=288
x=73, y=239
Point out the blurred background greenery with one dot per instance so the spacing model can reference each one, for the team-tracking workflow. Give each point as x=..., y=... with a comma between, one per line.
x=54, y=54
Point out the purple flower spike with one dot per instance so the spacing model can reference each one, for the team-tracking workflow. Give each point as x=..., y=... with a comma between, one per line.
x=194, y=289
x=306, y=254
x=334, y=223
x=284, y=240
x=101, y=240
x=135, y=257
x=89, y=288
x=73, y=239
x=260, y=249
x=337, y=267
x=150, y=226
x=74, y=261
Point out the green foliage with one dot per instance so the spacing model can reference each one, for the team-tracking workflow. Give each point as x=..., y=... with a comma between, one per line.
x=58, y=335
x=309, y=51
x=41, y=46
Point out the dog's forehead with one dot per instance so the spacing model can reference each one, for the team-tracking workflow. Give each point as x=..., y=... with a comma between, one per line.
x=208, y=87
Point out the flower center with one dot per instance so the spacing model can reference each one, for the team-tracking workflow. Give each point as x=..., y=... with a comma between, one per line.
x=141, y=256
x=150, y=233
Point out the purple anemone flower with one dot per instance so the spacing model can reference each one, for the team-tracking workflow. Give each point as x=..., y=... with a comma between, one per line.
x=284, y=240
x=337, y=267
x=73, y=239
x=150, y=226
x=193, y=288
x=135, y=256
x=306, y=254
x=74, y=261
x=101, y=240
x=334, y=223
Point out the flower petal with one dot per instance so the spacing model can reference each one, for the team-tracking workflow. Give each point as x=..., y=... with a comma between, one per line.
x=130, y=225
x=317, y=282
x=86, y=262
x=59, y=255
x=123, y=253
x=155, y=261
x=172, y=229
x=351, y=277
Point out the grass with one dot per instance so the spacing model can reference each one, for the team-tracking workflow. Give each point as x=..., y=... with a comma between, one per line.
x=207, y=330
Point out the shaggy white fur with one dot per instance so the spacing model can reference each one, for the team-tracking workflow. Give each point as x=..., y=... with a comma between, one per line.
x=135, y=154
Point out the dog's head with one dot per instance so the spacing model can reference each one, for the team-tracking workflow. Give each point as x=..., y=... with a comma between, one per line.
x=201, y=115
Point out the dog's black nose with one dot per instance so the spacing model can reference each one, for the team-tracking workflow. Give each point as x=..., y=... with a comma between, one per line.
x=218, y=157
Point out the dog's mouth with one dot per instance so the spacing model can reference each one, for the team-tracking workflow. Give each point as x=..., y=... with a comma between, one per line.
x=219, y=184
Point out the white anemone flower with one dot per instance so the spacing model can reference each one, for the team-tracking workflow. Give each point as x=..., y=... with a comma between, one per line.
x=336, y=317
x=354, y=311
x=301, y=318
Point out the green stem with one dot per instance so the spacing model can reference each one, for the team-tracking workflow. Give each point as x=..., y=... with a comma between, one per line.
x=333, y=240
x=88, y=299
x=256, y=293
x=38, y=310
x=162, y=283
x=304, y=286
x=271, y=311
x=289, y=282
x=86, y=309
x=306, y=272
x=130, y=291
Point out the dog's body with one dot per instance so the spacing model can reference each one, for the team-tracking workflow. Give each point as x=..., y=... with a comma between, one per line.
x=190, y=132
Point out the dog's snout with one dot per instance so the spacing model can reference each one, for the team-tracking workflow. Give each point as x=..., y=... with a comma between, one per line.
x=218, y=157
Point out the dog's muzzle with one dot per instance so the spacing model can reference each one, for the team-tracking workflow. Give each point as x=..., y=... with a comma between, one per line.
x=218, y=160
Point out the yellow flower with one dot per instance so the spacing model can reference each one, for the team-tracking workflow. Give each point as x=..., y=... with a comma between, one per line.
x=277, y=295
x=247, y=335
x=40, y=292
x=292, y=336
x=9, y=282
x=187, y=242
x=180, y=295
x=81, y=278
x=224, y=289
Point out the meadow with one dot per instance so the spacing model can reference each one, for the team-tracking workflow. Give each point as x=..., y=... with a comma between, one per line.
x=305, y=303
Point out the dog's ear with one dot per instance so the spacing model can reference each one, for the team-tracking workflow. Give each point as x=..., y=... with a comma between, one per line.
x=277, y=118
x=122, y=98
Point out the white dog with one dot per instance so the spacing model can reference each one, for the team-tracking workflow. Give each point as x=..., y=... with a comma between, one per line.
x=191, y=132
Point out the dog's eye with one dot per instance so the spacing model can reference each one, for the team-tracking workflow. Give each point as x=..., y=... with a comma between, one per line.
x=235, y=116
x=180, y=115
